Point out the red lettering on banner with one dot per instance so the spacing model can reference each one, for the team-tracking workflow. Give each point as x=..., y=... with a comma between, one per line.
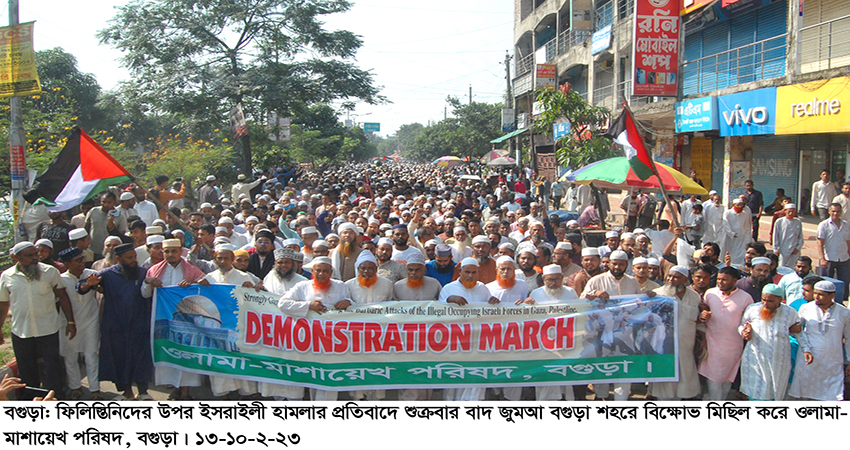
x=372, y=337
x=252, y=328
x=443, y=342
x=301, y=335
x=564, y=333
x=530, y=329
x=548, y=343
x=512, y=337
x=267, y=329
x=410, y=336
x=490, y=339
x=341, y=344
x=283, y=333
x=322, y=336
x=356, y=329
x=461, y=334
x=392, y=339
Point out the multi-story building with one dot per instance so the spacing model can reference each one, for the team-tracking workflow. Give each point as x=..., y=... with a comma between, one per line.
x=760, y=84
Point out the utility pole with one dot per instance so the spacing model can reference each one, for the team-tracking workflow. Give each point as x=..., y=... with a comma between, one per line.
x=17, y=138
x=509, y=97
x=470, y=94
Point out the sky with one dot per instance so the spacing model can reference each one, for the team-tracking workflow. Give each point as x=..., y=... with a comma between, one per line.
x=418, y=52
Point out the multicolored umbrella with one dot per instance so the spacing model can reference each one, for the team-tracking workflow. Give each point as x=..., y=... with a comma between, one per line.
x=447, y=161
x=502, y=161
x=493, y=154
x=616, y=173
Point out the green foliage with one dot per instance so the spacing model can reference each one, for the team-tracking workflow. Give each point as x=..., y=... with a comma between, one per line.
x=468, y=133
x=191, y=159
x=586, y=143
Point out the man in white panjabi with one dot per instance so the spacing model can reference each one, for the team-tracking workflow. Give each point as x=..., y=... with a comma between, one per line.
x=826, y=325
x=605, y=285
x=466, y=290
x=788, y=237
x=766, y=362
x=281, y=279
x=227, y=274
x=688, y=385
x=317, y=295
x=738, y=226
x=366, y=289
x=553, y=291
x=509, y=291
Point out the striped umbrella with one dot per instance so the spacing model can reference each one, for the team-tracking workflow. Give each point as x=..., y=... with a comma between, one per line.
x=616, y=173
x=447, y=161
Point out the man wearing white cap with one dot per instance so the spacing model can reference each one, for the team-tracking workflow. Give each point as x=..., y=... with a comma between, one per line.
x=562, y=256
x=823, y=343
x=466, y=290
x=102, y=221
x=608, y=284
x=526, y=258
x=31, y=290
x=125, y=206
x=713, y=212
x=759, y=278
x=416, y=286
x=766, y=363
x=238, y=240
x=788, y=237
x=612, y=242
x=153, y=246
x=640, y=267
x=689, y=301
x=368, y=287
x=591, y=266
x=506, y=287
x=737, y=225
x=346, y=253
x=208, y=193
x=387, y=268
x=486, y=264
x=308, y=236
x=459, y=243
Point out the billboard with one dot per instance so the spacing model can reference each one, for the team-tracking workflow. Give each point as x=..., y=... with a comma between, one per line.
x=655, y=57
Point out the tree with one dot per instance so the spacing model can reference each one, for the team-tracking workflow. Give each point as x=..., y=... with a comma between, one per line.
x=198, y=59
x=58, y=68
x=586, y=141
x=468, y=133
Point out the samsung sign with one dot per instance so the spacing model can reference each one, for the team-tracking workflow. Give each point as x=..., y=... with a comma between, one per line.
x=699, y=114
x=747, y=113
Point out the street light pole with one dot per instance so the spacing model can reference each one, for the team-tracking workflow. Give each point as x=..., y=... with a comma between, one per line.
x=16, y=147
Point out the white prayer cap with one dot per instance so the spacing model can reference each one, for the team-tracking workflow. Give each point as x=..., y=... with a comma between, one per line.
x=790, y=206
x=364, y=257
x=220, y=230
x=534, y=204
x=385, y=227
x=572, y=222
x=347, y=226
x=171, y=243
x=590, y=251
x=761, y=260
x=639, y=231
x=359, y=230
x=334, y=235
x=507, y=245
x=552, y=269
x=309, y=230
x=604, y=250
x=221, y=240
x=681, y=270
x=373, y=220
x=611, y=234
x=439, y=220
x=619, y=255
x=526, y=247
x=210, y=178
x=642, y=237
x=224, y=247
x=118, y=239
x=385, y=241
x=320, y=243
x=44, y=242
x=627, y=236
x=825, y=286
x=252, y=219
x=737, y=201
x=639, y=260
x=154, y=239
x=324, y=260
x=564, y=246
x=459, y=228
x=431, y=242
x=173, y=233
x=205, y=205
x=225, y=220
x=159, y=222
x=503, y=259
x=415, y=258
x=126, y=196
x=480, y=240
x=153, y=230
x=293, y=241
x=21, y=246
x=77, y=233
x=469, y=262
x=712, y=192
x=654, y=262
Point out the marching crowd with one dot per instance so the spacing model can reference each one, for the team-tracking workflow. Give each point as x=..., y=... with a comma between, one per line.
x=80, y=290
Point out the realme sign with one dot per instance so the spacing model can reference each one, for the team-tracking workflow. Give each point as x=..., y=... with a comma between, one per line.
x=814, y=107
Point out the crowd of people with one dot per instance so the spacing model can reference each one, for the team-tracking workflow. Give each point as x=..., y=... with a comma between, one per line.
x=80, y=290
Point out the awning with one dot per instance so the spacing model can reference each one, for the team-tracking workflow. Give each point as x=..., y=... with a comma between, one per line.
x=508, y=136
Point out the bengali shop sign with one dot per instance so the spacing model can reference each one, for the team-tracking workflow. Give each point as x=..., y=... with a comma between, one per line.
x=241, y=333
x=18, y=76
x=656, y=48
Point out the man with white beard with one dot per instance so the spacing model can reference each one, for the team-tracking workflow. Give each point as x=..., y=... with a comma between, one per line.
x=738, y=226
x=553, y=291
x=108, y=259
x=713, y=213
x=460, y=246
x=316, y=295
x=227, y=274
x=689, y=301
x=416, y=287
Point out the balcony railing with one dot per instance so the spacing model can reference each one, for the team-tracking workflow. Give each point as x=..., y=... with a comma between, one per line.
x=624, y=94
x=523, y=84
x=525, y=64
x=825, y=45
x=761, y=60
x=571, y=38
x=604, y=96
x=551, y=49
x=626, y=7
x=605, y=15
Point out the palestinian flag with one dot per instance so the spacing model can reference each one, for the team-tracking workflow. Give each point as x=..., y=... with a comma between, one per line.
x=80, y=171
x=625, y=133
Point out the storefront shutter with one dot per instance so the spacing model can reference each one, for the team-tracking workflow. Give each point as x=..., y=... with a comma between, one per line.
x=717, y=151
x=775, y=165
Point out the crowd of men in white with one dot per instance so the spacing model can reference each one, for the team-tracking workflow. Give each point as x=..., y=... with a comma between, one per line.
x=363, y=234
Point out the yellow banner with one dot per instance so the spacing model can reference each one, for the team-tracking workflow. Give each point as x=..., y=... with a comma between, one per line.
x=18, y=74
x=815, y=107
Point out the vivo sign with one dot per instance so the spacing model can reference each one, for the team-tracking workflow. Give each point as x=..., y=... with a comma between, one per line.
x=747, y=113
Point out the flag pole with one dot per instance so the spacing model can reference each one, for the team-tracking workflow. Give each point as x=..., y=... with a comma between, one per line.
x=657, y=175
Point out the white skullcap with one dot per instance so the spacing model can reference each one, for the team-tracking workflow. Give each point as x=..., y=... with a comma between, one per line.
x=469, y=262
x=526, y=247
x=252, y=219
x=293, y=241
x=480, y=240
x=365, y=256
x=459, y=228
x=221, y=240
x=320, y=243
x=507, y=245
x=431, y=242
x=347, y=226
x=681, y=270
x=590, y=251
x=205, y=205
x=21, y=246
x=639, y=231
x=761, y=260
x=309, y=230
x=153, y=230
x=627, y=236
x=125, y=196
x=173, y=233
x=737, y=201
x=118, y=239
x=359, y=230
x=171, y=243
x=225, y=220
x=572, y=222
x=825, y=286
x=552, y=269
x=534, y=204
x=639, y=260
x=564, y=246
x=385, y=241
x=611, y=234
x=653, y=262
x=373, y=220
x=415, y=258
x=159, y=222
x=503, y=259
x=619, y=255
x=77, y=233
x=44, y=242
x=220, y=229
x=323, y=260
x=332, y=235
x=154, y=239
x=790, y=206
x=642, y=237
x=224, y=247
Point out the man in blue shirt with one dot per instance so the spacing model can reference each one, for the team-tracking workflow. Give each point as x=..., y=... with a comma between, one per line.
x=442, y=267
